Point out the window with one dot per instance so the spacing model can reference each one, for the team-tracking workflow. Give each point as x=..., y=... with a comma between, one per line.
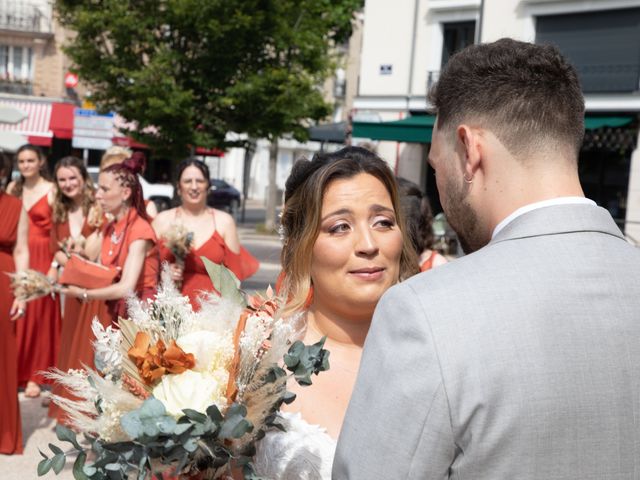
x=456, y=36
x=15, y=63
x=604, y=46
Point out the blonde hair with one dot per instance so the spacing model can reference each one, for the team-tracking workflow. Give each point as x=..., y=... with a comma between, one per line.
x=113, y=155
x=300, y=221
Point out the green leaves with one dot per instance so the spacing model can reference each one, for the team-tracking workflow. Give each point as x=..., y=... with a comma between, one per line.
x=149, y=420
x=306, y=360
x=225, y=282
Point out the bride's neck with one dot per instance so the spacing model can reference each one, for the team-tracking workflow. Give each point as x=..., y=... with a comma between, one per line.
x=346, y=331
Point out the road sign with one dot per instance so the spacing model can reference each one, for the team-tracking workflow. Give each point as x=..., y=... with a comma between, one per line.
x=92, y=130
x=70, y=80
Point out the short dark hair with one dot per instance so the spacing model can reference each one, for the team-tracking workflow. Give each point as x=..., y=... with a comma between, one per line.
x=525, y=94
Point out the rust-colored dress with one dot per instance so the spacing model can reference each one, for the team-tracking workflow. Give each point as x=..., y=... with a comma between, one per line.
x=38, y=332
x=76, y=337
x=115, y=247
x=10, y=426
x=195, y=278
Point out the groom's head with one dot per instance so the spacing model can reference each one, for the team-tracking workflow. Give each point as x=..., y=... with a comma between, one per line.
x=506, y=112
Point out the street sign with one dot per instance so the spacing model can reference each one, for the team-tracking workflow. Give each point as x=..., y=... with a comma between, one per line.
x=70, y=80
x=92, y=130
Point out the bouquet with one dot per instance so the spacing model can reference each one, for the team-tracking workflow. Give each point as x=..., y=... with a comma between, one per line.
x=184, y=393
x=179, y=241
x=31, y=284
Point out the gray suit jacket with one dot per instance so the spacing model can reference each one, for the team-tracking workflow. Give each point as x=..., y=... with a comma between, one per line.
x=520, y=361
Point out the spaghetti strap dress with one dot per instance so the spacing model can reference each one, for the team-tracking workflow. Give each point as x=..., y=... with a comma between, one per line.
x=117, y=238
x=38, y=332
x=195, y=279
x=10, y=426
x=76, y=337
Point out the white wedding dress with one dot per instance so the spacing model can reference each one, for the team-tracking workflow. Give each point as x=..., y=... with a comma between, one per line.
x=302, y=452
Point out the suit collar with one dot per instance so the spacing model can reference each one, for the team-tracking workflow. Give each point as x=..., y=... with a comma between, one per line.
x=558, y=219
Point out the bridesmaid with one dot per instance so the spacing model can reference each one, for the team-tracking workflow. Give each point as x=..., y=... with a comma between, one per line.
x=76, y=222
x=117, y=154
x=39, y=333
x=128, y=242
x=14, y=256
x=214, y=233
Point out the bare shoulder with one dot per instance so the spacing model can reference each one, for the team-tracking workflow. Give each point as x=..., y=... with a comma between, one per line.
x=224, y=220
x=163, y=220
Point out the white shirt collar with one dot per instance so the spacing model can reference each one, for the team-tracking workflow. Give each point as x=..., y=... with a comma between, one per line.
x=542, y=204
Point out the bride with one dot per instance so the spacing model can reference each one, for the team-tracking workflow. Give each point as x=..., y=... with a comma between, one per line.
x=344, y=246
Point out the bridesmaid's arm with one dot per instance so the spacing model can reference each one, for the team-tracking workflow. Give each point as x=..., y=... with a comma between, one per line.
x=228, y=230
x=93, y=245
x=21, y=258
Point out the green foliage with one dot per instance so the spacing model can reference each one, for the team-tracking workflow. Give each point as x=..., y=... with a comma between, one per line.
x=224, y=281
x=306, y=360
x=189, y=71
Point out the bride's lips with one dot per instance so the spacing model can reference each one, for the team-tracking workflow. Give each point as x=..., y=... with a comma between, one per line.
x=368, y=273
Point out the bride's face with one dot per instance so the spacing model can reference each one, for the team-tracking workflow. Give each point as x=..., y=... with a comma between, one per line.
x=356, y=256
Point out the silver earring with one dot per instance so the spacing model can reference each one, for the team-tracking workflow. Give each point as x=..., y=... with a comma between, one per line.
x=467, y=180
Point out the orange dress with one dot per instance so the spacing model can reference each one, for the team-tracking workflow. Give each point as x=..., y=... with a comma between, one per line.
x=10, y=426
x=38, y=332
x=76, y=337
x=115, y=246
x=195, y=278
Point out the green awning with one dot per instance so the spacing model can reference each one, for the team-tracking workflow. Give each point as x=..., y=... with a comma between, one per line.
x=419, y=128
x=593, y=123
x=416, y=129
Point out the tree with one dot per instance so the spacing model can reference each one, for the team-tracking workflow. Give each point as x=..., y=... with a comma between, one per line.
x=189, y=71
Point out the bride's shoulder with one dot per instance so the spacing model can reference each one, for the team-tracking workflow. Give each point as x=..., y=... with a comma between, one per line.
x=302, y=451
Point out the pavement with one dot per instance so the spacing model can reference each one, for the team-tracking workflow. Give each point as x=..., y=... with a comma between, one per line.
x=38, y=429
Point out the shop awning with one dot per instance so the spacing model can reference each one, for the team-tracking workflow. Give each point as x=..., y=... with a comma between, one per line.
x=36, y=126
x=593, y=123
x=419, y=128
x=329, y=132
x=416, y=129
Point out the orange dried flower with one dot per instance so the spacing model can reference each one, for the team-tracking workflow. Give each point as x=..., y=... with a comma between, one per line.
x=155, y=361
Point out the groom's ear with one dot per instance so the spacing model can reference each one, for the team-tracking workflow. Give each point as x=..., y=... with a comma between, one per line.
x=470, y=147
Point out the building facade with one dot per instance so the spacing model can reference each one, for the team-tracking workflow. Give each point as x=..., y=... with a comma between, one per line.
x=406, y=45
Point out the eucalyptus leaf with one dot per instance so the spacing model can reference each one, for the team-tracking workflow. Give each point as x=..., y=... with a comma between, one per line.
x=57, y=462
x=56, y=449
x=42, y=454
x=214, y=413
x=78, y=467
x=194, y=415
x=181, y=428
x=44, y=466
x=225, y=282
x=65, y=434
x=131, y=424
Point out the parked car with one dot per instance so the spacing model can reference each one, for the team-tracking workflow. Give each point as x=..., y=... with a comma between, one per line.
x=159, y=193
x=223, y=196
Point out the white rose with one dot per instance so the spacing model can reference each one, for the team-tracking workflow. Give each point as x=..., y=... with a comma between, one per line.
x=189, y=389
x=211, y=350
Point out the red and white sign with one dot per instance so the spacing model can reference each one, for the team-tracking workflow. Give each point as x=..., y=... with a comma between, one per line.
x=70, y=80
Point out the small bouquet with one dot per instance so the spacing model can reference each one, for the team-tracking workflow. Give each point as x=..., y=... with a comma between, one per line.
x=179, y=240
x=73, y=245
x=184, y=393
x=31, y=284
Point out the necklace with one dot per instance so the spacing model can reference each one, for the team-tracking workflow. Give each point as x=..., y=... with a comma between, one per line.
x=115, y=240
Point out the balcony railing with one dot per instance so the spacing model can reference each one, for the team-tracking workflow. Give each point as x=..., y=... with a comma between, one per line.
x=23, y=17
x=19, y=87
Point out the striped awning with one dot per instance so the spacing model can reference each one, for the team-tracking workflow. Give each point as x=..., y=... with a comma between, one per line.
x=36, y=127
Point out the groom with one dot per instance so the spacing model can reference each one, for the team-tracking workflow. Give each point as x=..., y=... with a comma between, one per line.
x=522, y=359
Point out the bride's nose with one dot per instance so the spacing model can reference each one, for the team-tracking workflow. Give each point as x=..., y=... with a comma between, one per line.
x=365, y=242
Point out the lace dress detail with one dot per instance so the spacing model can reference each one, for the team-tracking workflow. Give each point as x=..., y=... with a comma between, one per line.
x=303, y=452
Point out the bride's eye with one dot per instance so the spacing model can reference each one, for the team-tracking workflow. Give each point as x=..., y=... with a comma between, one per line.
x=384, y=222
x=339, y=228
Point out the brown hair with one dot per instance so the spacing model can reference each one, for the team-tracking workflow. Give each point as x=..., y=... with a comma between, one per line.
x=525, y=94
x=126, y=174
x=44, y=170
x=300, y=221
x=417, y=215
x=6, y=166
x=62, y=204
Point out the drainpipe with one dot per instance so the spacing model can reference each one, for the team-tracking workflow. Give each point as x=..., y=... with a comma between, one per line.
x=479, y=29
x=413, y=51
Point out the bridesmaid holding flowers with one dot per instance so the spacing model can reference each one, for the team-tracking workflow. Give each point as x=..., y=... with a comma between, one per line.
x=14, y=256
x=76, y=225
x=193, y=230
x=38, y=333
